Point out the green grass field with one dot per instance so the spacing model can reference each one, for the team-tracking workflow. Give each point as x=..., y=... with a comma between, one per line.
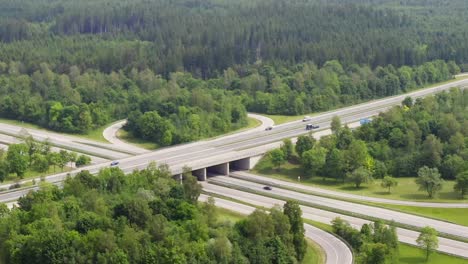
x=95, y=134
x=129, y=138
x=454, y=215
x=406, y=189
x=414, y=255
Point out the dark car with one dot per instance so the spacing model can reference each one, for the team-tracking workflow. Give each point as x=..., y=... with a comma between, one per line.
x=114, y=163
x=268, y=188
x=310, y=127
x=269, y=128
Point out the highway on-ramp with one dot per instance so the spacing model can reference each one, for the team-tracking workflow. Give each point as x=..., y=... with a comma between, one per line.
x=336, y=251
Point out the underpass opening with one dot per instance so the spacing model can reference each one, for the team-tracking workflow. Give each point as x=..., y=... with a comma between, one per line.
x=218, y=170
x=242, y=164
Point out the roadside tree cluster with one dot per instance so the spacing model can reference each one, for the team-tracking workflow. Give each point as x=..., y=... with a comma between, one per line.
x=37, y=157
x=375, y=243
x=143, y=217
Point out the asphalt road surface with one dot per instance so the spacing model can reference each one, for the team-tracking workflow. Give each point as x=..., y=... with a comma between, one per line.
x=215, y=148
x=110, y=134
x=336, y=251
x=381, y=213
x=319, y=191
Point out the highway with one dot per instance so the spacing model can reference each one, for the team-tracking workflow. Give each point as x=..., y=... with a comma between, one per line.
x=404, y=235
x=342, y=195
x=218, y=147
x=380, y=213
x=336, y=251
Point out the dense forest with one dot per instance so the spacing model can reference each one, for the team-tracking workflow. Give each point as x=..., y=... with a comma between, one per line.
x=188, y=69
x=207, y=36
x=144, y=217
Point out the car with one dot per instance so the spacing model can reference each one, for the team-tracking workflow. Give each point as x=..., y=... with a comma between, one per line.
x=268, y=128
x=268, y=188
x=365, y=121
x=114, y=163
x=306, y=118
x=310, y=127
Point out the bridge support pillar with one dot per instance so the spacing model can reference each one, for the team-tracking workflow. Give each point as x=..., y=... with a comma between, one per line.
x=200, y=174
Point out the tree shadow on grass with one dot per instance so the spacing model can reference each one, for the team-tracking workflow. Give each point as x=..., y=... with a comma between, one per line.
x=383, y=193
x=353, y=188
x=412, y=260
x=415, y=196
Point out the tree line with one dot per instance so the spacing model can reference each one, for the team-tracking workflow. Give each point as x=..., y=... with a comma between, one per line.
x=37, y=157
x=184, y=108
x=207, y=37
x=143, y=217
x=425, y=138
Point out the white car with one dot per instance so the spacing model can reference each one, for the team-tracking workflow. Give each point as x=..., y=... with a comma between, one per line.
x=306, y=118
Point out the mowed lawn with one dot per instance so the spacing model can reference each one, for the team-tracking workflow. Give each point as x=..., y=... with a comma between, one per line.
x=407, y=189
x=454, y=215
x=414, y=255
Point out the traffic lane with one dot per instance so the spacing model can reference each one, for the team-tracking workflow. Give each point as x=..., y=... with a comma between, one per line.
x=337, y=252
x=262, y=179
x=406, y=236
x=381, y=213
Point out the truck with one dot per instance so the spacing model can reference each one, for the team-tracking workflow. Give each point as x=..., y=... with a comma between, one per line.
x=311, y=126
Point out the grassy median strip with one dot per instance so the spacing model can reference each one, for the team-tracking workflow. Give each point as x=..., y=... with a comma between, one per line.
x=338, y=211
x=450, y=215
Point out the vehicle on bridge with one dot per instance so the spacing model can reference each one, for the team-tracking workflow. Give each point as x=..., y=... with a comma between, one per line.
x=311, y=126
x=365, y=121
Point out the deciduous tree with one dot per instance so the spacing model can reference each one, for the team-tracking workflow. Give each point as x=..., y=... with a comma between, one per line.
x=389, y=183
x=428, y=240
x=429, y=180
